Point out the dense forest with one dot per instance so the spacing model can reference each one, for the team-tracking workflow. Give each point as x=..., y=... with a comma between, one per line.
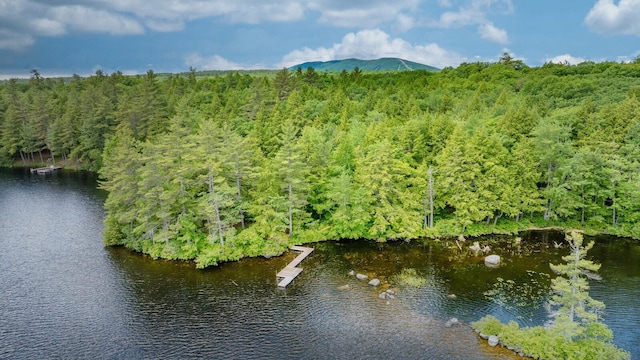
x=220, y=167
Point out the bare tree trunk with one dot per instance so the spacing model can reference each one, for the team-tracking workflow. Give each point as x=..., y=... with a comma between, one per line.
x=613, y=203
x=290, y=209
x=495, y=220
x=582, y=219
x=216, y=209
x=238, y=185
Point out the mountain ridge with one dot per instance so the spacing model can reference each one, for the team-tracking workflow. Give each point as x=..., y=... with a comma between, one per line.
x=381, y=64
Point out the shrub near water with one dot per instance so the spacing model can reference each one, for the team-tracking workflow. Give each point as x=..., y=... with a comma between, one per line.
x=409, y=278
x=542, y=343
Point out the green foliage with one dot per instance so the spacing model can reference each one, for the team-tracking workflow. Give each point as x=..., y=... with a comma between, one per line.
x=540, y=343
x=576, y=310
x=219, y=165
x=575, y=332
x=409, y=278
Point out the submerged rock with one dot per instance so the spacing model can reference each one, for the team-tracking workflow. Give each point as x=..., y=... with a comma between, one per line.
x=344, y=287
x=362, y=276
x=374, y=282
x=352, y=273
x=492, y=260
x=452, y=322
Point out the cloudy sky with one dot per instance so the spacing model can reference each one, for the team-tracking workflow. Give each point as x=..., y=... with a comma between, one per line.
x=62, y=37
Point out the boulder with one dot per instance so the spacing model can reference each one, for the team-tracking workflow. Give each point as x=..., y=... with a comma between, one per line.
x=374, y=282
x=493, y=340
x=452, y=322
x=362, y=276
x=352, y=272
x=383, y=295
x=344, y=287
x=452, y=296
x=492, y=260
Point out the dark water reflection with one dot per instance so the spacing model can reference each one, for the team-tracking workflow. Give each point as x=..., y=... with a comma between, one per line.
x=64, y=295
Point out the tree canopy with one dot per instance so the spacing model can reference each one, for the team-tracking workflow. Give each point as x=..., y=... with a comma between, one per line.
x=214, y=168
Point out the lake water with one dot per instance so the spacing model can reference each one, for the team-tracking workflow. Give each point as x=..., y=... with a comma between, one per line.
x=64, y=295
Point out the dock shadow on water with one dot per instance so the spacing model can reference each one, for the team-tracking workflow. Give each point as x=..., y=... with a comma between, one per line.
x=67, y=296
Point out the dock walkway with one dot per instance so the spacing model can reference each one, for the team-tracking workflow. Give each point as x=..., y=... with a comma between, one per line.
x=291, y=271
x=45, y=170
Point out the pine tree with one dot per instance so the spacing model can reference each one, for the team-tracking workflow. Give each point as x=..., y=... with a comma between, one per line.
x=575, y=310
x=119, y=174
x=293, y=172
x=553, y=148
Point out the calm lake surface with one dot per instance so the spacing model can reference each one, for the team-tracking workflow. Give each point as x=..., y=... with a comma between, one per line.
x=64, y=295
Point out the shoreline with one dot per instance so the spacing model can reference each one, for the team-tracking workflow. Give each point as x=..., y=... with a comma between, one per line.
x=441, y=230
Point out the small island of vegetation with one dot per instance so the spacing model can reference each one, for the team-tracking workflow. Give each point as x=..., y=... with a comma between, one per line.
x=576, y=330
x=216, y=168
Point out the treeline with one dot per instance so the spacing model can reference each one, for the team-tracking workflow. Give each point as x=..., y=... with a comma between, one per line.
x=217, y=168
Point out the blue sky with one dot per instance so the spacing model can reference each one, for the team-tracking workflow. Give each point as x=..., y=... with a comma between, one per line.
x=63, y=37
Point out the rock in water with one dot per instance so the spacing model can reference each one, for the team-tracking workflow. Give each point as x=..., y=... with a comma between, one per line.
x=492, y=260
x=452, y=322
x=493, y=340
x=374, y=282
x=362, y=276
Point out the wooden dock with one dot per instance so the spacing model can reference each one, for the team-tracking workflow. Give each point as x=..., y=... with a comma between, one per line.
x=291, y=271
x=45, y=170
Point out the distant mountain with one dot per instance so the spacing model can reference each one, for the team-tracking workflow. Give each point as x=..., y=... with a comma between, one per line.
x=384, y=64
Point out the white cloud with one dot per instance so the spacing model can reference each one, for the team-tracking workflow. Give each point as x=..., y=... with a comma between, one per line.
x=35, y=18
x=475, y=12
x=566, y=59
x=404, y=23
x=373, y=44
x=490, y=32
x=14, y=41
x=90, y=20
x=610, y=18
x=164, y=26
x=215, y=62
x=241, y=11
x=365, y=13
x=47, y=26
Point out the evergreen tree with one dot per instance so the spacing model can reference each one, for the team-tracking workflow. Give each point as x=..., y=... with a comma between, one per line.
x=553, y=148
x=394, y=191
x=576, y=313
x=293, y=171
